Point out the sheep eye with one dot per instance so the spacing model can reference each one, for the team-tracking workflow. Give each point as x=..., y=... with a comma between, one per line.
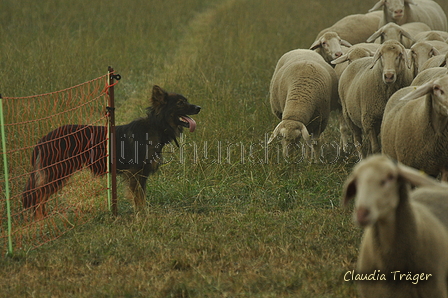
x=389, y=177
x=437, y=88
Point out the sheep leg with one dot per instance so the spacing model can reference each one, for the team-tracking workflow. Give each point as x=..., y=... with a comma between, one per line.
x=374, y=144
x=345, y=136
x=357, y=135
x=316, y=150
x=345, y=133
x=444, y=175
x=285, y=148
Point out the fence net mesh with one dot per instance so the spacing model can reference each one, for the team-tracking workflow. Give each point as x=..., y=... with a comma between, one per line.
x=63, y=154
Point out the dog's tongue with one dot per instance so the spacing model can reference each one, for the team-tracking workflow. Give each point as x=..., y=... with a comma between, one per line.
x=190, y=121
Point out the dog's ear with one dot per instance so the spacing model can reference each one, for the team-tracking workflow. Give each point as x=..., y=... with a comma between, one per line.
x=158, y=95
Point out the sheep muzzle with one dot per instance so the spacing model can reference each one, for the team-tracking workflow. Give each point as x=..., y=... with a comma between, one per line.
x=362, y=216
x=389, y=77
x=397, y=15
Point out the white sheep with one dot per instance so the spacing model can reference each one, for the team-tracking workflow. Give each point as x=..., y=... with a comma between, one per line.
x=435, y=198
x=302, y=90
x=404, y=244
x=431, y=35
x=436, y=61
x=414, y=128
x=353, y=53
x=355, y=28
x=404, y=33
x=329, y=46
x=407, y=11
x=364, y=88
x=428, y=75
x=421, y=51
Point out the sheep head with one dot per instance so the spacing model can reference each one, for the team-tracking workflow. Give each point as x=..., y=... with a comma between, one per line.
x=377, y=184
x=420, y=52
x=394, y=9
x=392, y=54
x=353, y=54
x=330, y=45
x=390, y=31
x=291, y=131
x=438, y=90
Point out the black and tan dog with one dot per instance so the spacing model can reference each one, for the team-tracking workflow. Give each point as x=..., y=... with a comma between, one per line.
x=138, y=146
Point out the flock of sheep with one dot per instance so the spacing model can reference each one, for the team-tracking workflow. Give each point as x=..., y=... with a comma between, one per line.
x=385, y=74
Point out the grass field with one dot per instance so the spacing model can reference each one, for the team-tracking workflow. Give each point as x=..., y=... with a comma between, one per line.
x=228, y=216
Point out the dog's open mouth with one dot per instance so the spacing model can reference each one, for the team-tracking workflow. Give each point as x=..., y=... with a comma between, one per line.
x=188, y=122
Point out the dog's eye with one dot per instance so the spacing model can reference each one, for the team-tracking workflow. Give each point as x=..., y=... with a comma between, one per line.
x=181, y=102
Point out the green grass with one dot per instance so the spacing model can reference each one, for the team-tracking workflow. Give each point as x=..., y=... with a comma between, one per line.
x=225, y=220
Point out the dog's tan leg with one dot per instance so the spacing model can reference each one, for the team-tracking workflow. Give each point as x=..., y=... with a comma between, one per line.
x=137, y=192
x=137, y=189
x=39, y=211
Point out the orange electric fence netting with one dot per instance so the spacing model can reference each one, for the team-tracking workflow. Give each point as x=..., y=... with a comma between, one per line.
x=81, y=110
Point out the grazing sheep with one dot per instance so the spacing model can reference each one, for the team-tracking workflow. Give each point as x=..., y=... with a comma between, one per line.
x=355, y=28
x=421, y=51
x=407, y=11
x=302, y=90
x=364, y=88
x=431, y=35
x=329, y=46
x=414, y=128
x=353, y=53
x=401, y=234
x=392, y=31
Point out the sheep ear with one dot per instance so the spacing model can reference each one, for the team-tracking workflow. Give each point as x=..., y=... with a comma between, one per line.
x=316, y=44
x=405, y=56
x=306, y=136
x=275, y=133
x=376, y=56
x=419, y=92
x=377, y=5
x=434, y=52
x=443, y=63
x=440, y=60
x=407, y=35
x=349, y=190
x=345, y=43
x=415, y=177
x=375, y=35
x=341, y=59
